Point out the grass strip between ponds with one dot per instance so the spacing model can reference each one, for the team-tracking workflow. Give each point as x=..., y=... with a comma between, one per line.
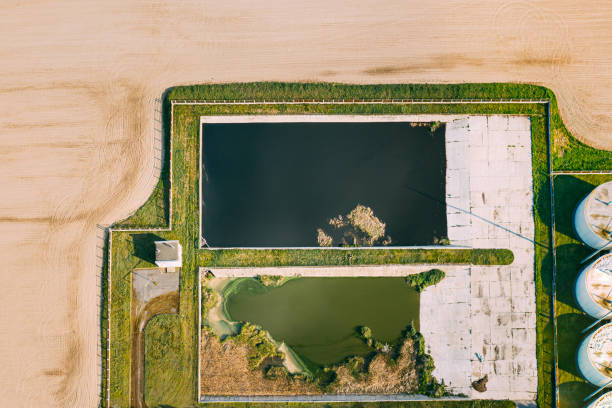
x=333, y=257
x=172, y=380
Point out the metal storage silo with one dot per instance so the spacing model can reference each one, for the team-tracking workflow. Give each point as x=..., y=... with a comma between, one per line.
x=595, y=356
x=605, y=401
x=593, y=288
x=593, y=217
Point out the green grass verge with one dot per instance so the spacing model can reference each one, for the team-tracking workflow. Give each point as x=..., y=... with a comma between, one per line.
x=104, y=320
x=393, y=404
x=122, y=264
x=571, y=154
x=177, y=362
x=164, y=344
x=542, y=264
x=569, y=191
x=311, y=257
x=155, y=212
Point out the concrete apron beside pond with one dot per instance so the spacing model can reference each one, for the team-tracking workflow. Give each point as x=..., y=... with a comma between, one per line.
x=487, y=312
x=479, y=320
x=326, y=271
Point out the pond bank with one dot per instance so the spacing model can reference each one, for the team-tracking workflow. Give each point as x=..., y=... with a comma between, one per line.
x=300, y=182
x=319, y=318
x=223, y=326
x=331, y=271
x=216, y=317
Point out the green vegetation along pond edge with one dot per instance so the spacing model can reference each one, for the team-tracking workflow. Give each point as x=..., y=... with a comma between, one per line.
x=318, y=317
x=340, y=374
x=420, y=281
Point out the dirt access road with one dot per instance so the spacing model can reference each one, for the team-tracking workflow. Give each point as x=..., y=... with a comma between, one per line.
x=78, y=82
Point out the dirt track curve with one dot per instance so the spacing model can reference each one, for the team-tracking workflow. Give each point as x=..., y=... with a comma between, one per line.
x=141, y=314
x=78, y=83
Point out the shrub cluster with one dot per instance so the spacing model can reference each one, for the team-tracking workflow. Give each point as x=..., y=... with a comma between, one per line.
x=271, y=280
x=260, y=346
x=422, y=280
x=427, y=383
x=209, y=300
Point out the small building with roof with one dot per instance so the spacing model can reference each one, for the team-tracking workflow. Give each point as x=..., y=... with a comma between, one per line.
x=593, y=288
x=593, y=217
x=595, y=356
x=168, y=254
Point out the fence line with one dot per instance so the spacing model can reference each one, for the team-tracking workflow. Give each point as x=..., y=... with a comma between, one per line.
x=554, y=262
x=108, y=315
x=579, y=172
x=199, y=331
x=354, y=101
x=100, y=244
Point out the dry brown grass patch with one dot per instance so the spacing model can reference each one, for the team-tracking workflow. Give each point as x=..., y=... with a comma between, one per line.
x=383, y=376
x=225, y=371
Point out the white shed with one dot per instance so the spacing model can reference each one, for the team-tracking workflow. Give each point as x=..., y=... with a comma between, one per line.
x=168, y=254
x=595, y=356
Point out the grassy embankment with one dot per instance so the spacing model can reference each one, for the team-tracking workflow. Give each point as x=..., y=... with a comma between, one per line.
x=171, y=379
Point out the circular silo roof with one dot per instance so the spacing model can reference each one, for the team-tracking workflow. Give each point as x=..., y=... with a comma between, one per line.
x=605, y=401
x=598, y=210
x=600, y=350
x=599, y=281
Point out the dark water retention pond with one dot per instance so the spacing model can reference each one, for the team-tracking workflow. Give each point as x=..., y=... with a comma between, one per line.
x=276, y=184
x=318, y=317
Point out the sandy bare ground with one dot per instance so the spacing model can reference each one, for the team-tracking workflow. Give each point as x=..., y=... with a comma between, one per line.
x=78, y=80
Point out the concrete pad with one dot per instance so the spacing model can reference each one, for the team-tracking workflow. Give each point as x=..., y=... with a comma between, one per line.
x=501, y=313
x=329, y=271
x=150, y=283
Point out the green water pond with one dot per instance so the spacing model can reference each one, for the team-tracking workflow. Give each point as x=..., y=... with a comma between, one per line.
x=319, y=317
